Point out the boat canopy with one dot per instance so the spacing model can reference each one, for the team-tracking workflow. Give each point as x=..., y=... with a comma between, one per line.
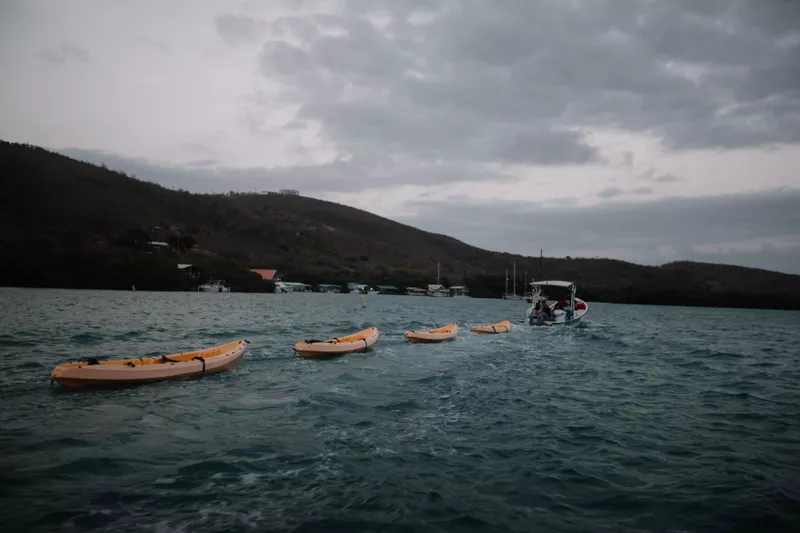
x=553, y=283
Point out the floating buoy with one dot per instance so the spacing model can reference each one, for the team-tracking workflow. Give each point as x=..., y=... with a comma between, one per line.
x=363, y=302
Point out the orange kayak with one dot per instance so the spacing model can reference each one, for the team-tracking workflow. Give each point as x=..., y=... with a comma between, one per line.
x=500, y=327
x=357, y=342
x=148, y=369
x=446, y=333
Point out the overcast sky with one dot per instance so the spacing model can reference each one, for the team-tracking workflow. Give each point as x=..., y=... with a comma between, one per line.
x=643, y=130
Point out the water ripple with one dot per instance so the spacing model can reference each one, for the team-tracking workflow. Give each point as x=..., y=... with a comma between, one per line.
x=621, y=425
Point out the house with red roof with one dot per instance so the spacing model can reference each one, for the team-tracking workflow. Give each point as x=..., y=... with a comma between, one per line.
x=266, y=274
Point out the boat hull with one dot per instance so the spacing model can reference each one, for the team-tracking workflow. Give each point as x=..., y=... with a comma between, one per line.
x=438, y=294
x=447, y=333
x=569, y=323
x=150, y=369
x=205, y=288
x=357, y=342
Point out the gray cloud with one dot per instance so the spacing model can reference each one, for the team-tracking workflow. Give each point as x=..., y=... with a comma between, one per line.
x=156, y=44
x=204, y=163
x=205, y=175
x=628, y=159
x=613, y=192
x=64, y=54
x=239, y=28
x=715, y=229
x=376, y=93
x=651, y=175
x=507, y=82
x=610, y=192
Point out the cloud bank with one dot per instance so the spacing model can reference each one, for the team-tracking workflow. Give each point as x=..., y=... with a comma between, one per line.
x=593, y=108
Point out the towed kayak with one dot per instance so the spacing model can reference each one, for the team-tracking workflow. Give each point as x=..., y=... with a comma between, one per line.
x=500, y=327
x=148, y=369
x=446, y=333
x=357, y=342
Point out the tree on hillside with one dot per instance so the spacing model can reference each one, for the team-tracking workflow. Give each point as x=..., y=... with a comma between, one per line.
x=187, y=242
x=181, y=242
x=133, y=237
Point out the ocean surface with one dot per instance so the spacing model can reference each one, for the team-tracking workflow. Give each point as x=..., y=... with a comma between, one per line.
x=642, y=419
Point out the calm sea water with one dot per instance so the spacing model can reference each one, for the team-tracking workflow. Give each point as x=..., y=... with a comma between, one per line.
x=645, y=418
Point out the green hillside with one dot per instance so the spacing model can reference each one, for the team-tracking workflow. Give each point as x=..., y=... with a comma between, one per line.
x=66, y=223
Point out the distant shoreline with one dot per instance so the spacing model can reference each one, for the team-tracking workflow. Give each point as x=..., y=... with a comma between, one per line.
x=702, y=305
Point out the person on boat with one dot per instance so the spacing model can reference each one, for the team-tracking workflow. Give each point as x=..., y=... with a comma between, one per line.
x=532, y=312
x=567, y=308
x=543, y=314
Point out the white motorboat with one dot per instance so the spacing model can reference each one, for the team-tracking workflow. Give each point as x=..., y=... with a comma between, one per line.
x=285, y=287
x=329, y=288
x=214, y=285
x=459, y=290
x=357, y=288
x=566, y=311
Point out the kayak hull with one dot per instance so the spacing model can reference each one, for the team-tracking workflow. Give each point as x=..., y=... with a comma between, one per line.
x=493, y=329
x=149, y=369
x=444, y=334
x=355, y=343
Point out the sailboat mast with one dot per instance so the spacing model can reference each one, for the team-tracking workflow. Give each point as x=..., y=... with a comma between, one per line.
x=506, y=293
x=515, y=278
x=437, y=273
x=541, y=263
